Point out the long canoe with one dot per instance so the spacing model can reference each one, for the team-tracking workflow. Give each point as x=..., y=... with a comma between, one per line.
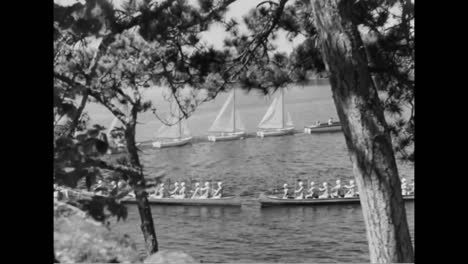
x=270, y=200
x=225, y=201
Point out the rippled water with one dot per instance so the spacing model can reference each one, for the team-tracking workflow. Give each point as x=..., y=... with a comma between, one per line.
x=247, y=168
x=332, y=233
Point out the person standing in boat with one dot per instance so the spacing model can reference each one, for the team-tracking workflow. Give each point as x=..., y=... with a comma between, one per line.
x=218, y=193
x=174, y=192
x=205, y=191
x=325, y=191
x=285, y=191
x=196, y=191
x=311, y=193
x=337, y=191
x=299, y=193
x=351, y=189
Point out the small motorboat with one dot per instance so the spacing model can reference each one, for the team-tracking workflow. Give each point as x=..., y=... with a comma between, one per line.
x=272, y=200
x=323, y=127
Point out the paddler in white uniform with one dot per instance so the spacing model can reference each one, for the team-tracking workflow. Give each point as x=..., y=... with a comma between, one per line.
x=174, y=192
x=181, y=192
x=351, y=189
x=285, y=191
x=205, y=191
x=337, y=191
x=325, y=191
x=159, y=193
x=404, y=187
x=330, y=121
x=411, y=187
x=218, y=193
x=311, y=193
x=196, y=191
x=299, y=192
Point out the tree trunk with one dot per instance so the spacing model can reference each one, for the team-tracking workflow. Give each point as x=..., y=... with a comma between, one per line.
x=365, y=130
x=139, y=185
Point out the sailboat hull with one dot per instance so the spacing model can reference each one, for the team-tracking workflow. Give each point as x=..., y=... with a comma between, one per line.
x=227, y=136
x=175, y=143
x=276, y=132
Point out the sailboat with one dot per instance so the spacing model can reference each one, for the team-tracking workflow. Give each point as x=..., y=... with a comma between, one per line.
x=277, y=120
x=118, y=144
x=173, y=136
x=227, y=124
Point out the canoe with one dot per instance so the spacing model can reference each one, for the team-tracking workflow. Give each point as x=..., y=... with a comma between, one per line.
x=334, y=127
x=173, y=143
x=276, y=132
x=227, y=137
x=270, y=200
x=225, y=201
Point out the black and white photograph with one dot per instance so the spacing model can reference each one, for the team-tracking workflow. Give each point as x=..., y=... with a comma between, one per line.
x=233, y=131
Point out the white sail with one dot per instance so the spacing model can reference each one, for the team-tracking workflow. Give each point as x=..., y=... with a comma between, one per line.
x=176, y=130
x=274, y=117
x=289, y=122
x=239, y=124
x=111, y=127
x=224, y=121
x=185, y=131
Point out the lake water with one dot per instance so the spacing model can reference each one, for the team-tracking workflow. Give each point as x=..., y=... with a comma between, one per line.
x=247, y=168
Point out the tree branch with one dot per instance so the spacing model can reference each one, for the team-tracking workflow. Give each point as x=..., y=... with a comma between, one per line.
x=115, y=167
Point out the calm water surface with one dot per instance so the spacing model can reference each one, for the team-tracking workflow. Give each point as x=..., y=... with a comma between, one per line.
x=247, y=168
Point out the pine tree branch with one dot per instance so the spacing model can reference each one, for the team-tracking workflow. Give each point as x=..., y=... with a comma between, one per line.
x=115, y=167
x=104, y=101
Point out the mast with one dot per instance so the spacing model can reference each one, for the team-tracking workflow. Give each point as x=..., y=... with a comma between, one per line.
x=180, y=124
x=282, y=108
x=234, y=109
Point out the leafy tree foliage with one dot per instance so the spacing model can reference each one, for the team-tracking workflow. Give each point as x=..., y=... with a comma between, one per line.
x=112, y=55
